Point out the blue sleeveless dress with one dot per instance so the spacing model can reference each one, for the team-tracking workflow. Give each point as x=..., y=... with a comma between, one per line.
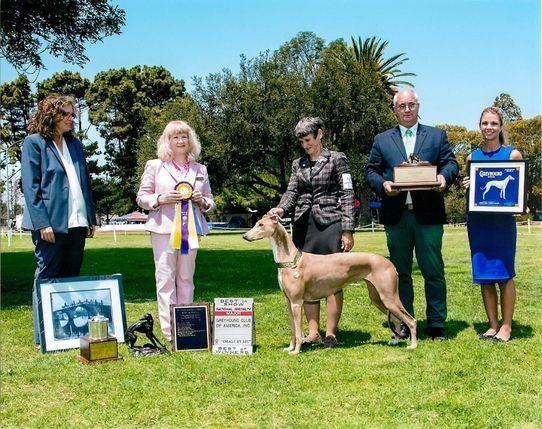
x=492, y=236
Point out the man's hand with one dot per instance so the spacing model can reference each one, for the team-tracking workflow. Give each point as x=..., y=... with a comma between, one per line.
x=442, y=183
x=388, y=189
x=47, y=234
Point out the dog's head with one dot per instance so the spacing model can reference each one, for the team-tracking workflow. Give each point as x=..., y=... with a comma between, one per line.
x=265, y=227
x=147, y=318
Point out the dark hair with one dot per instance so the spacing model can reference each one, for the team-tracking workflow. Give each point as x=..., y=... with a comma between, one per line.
x=498, y=112
x=308, y=125
x=50, y=109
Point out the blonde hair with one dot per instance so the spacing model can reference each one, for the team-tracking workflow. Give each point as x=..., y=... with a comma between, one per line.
x=164, y=151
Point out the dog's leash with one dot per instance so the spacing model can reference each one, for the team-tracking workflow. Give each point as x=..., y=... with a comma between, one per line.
x=291, y=264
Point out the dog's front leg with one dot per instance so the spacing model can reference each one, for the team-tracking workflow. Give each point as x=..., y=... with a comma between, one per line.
x=291, y=347
x=297, y=313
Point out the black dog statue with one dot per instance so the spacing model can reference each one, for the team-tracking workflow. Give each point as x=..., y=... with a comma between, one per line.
x=144, y=326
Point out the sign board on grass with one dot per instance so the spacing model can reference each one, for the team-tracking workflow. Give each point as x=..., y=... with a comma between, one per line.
x=233, y=326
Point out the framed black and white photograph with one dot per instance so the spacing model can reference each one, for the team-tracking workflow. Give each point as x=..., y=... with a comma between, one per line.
x=497, y=186
x=66, y=304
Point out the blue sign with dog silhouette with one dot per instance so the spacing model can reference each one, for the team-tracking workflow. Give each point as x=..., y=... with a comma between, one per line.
x=497, y=186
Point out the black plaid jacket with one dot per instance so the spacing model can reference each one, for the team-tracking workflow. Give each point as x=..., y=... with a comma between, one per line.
x=321, y=190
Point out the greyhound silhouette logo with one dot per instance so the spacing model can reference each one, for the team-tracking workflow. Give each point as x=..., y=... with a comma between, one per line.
x=499, y=184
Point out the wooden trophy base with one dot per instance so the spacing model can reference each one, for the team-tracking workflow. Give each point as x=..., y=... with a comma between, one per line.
x=98, y=350
x=414, y=186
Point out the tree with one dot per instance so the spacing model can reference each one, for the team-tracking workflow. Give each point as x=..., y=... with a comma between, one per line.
x=61, y=27
x=526, y=135
x=370, y=54
x=510, y=109
x=354, y=105
x=16, y=103
x=250, y=119
x=67, y=83
x=120, y=102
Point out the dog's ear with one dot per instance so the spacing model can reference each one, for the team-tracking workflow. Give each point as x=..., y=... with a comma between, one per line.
x=275, y=218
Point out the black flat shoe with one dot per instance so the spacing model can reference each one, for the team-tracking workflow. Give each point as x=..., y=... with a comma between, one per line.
x=486, y=336
x=330, y=342
x=437, y=333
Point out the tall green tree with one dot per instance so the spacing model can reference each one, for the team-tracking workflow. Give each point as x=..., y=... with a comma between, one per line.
x=370, y=54
x=67, y=83
x=120, y=103
x=510, y=109
x=526, y=135
x=60, y=27
x=251, y=117
x=354, y=105
x=16, y=104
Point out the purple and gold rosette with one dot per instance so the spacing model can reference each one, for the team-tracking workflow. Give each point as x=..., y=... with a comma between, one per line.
x=186, y=225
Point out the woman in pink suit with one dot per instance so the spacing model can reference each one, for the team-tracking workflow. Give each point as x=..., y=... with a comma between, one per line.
x=178, y=149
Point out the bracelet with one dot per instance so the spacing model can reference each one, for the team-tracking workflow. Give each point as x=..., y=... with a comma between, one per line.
x=157, y=201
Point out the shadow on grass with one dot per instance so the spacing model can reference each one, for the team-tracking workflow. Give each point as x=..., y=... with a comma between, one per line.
x=224, y=273
x=453, y=328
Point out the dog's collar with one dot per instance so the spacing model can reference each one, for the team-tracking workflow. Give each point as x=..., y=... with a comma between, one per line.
x=291, y=264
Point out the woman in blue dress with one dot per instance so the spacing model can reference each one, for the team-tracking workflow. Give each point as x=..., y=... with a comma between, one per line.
x=492, y=237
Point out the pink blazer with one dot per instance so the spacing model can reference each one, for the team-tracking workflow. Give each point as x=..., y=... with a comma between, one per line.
x=159, y=178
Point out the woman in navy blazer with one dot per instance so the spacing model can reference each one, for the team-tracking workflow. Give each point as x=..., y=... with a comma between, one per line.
x=59, y=210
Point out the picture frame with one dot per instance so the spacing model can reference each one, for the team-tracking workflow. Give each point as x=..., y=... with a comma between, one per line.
x=191, y=327
x=497, y=186
x=66, y=304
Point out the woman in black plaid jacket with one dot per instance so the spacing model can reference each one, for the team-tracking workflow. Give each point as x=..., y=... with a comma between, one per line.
x=321, y=195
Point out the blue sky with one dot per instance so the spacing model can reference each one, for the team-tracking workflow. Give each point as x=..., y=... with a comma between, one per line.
x=465, y=52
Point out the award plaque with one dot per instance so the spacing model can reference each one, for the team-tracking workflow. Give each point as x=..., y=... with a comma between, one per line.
x=191, y=327
x=415, y=176
x=98, y=346
x=97, y=350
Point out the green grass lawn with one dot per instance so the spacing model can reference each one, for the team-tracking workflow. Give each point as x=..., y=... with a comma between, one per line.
x=363, y=383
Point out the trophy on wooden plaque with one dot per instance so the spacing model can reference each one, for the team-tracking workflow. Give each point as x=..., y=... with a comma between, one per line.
x=415, y=175
x=98, y=346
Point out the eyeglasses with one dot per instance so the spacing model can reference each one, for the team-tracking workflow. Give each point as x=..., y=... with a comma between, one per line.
x=403, y=107
x=66, y=114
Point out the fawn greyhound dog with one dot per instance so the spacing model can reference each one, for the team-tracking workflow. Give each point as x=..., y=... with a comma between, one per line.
x=309, y=277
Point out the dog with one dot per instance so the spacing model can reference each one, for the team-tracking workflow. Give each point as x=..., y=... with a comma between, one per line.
x=499, y=184
x=144, y=326
x=309, y=277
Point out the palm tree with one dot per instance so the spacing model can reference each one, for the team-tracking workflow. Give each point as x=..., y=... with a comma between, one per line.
x=370, y=54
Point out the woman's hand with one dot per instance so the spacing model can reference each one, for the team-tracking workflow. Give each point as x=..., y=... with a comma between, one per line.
x=347, y=241
x=90, y=231
x=466, y=182
x=197, y=198
x=47, y=234
x=276, y=211
x=171, y=197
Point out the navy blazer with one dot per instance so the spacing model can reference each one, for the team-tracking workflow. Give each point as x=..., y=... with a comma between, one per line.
x=45, y=184
x=389, y=150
